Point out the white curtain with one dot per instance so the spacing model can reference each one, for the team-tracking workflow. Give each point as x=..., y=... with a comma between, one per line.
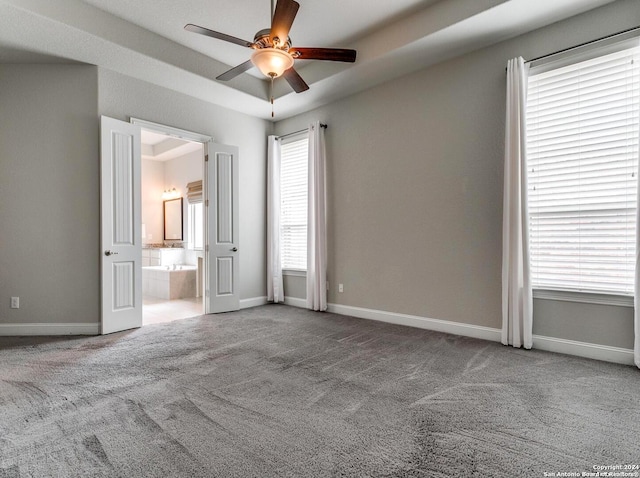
x=517, y=302
x=275, y=288
x=317, y=223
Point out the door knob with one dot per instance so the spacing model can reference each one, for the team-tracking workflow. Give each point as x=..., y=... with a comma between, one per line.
x=110, y=253
x=235, y=249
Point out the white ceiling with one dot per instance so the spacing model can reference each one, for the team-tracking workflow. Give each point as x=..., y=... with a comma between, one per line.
x=145, y=39
x=327, y=23
x=161, y=147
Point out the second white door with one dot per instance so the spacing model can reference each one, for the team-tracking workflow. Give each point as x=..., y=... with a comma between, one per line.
x=121, y=255
x=223, y=228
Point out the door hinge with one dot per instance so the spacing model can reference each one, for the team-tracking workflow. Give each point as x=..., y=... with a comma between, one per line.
x=206, y=203
x=206, y=158
x=206, y=248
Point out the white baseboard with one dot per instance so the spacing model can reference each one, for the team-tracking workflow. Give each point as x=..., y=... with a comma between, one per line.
x=49, y=329
x=456, y=328
x=253, y=302
x=584, y=349
x=295, y=302
x=550, y=344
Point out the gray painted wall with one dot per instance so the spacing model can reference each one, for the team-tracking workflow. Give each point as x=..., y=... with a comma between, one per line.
x=590, y=323
x=415, y=186
x=49, y=193
x=50, y=182
x=415, y=189
x=295, y=286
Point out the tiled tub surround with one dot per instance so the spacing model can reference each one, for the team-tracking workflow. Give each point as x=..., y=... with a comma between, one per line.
x=162, y=256
x=165, y=282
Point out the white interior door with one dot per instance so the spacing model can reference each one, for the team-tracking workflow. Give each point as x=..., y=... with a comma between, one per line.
x=121, y=239
x=223, y=228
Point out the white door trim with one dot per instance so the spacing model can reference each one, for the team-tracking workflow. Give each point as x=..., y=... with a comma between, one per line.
x=171, y=131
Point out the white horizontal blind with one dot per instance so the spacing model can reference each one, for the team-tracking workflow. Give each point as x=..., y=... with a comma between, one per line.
x=194, y=192
x=293, y=209
x=582, y=162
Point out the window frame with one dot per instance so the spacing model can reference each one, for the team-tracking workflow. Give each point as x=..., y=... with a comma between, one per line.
x=566, y=58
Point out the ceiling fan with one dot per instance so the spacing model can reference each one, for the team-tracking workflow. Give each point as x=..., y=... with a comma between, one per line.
x=274, y=55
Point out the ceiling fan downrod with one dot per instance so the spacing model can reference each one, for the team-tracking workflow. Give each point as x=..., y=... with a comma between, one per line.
x=273, y=76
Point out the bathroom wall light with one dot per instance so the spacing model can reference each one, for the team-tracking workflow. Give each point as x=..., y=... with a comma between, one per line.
x=170, y=194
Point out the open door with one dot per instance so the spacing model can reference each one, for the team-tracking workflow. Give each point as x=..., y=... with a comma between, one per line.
x=222, y=167
x=121, y=241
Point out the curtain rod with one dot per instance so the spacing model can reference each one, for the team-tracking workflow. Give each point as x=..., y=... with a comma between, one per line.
x=583, y=44
x=322, y=125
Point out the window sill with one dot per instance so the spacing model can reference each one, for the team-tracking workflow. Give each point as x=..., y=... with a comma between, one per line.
x=294, y=273
x=584, y=297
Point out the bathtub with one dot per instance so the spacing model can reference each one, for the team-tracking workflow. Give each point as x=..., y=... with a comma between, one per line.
x=165, y=282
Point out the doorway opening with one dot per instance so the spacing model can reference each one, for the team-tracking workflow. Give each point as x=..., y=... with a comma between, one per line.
x=173, y=225
x=121, y=224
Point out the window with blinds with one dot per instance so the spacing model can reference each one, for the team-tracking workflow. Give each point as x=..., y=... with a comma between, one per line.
x=293, y=207
x=582, y=163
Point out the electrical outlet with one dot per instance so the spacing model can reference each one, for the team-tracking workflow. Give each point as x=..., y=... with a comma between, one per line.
x=15, y=302
x=340, y=287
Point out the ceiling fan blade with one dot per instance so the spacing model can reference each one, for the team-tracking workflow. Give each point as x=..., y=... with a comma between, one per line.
x=235, y=71
x=295, y=80
x=220, y=36
x=330, y=54
x=283, y=19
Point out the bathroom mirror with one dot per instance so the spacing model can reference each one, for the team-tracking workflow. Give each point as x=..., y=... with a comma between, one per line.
x=173, y=219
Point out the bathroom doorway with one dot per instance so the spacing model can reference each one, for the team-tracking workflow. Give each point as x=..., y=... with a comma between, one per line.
x=173, y=271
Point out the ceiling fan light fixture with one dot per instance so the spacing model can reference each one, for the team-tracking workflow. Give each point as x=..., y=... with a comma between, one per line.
x=273, y=53
x=272, y=62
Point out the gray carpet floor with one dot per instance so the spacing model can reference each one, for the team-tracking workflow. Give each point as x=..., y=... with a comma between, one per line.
x=279, y=391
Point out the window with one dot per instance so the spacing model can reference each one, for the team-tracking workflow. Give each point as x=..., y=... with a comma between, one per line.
x=582, y=148
x=293, y=207
x=195, y=223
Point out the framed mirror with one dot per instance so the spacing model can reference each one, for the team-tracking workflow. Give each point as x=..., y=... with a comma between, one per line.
x=172, y=219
